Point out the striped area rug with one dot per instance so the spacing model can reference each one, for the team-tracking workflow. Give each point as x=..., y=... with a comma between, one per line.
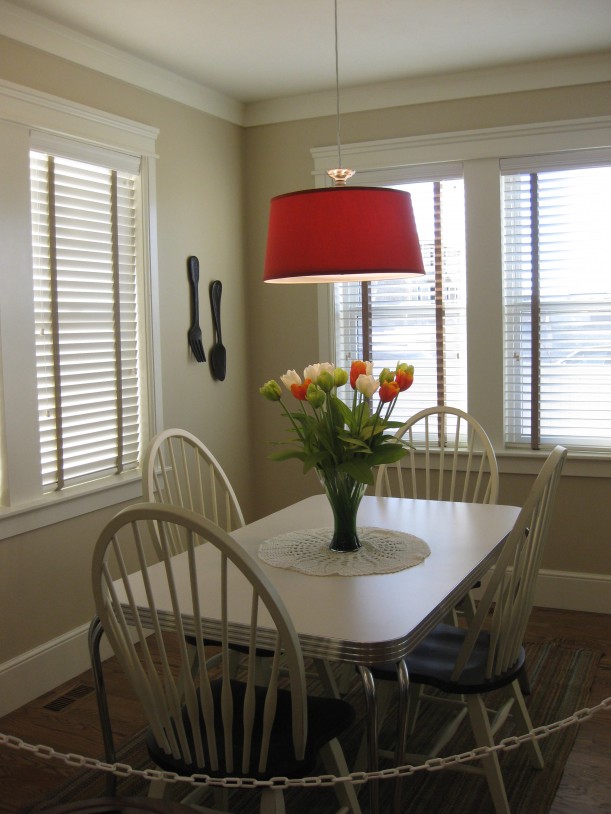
x=561, y=677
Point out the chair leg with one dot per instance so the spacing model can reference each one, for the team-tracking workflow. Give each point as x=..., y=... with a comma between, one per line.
x=326, y=678
x=347, y=675
x=272, y=801
x=468, y=607
x=334, y=762
x=490, y=764
x=158, y=790
x=95, y=636
x=524, y=725
x=524, y=682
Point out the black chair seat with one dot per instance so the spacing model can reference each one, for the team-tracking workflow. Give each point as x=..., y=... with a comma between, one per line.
x=327, y=718
x=238, y=648
x=433, y=660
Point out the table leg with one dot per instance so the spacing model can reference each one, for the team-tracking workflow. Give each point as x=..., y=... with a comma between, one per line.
x=403, y=684
x=372, y=736
x=96, y=631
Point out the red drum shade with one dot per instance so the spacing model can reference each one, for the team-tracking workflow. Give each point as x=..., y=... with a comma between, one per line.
x=342, y=234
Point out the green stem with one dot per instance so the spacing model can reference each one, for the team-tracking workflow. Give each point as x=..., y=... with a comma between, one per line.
x=292, y=420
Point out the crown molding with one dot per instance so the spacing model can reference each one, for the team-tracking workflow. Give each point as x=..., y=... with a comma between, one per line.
x=421, y=90
x=32, y=29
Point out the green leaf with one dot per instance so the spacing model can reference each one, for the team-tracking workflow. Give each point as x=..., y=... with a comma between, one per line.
x=387, y=454
x=285, y=456
x=358, y=469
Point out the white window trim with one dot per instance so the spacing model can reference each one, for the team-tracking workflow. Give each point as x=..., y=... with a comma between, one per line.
x=480, y=152
x=23, y=110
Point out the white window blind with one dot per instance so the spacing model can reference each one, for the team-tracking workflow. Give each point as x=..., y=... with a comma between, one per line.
x=557, y=300
x=421, y=321
x=84, y=237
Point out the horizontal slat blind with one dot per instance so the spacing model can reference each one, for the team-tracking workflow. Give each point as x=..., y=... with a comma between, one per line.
x=557, y=241
x=403, y=315
x=86, y=319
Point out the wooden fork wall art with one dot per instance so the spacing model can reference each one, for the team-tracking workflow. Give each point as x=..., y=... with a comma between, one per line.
x=195, y=332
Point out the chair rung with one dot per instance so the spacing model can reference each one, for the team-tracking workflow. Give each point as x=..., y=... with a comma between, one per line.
x=501, y=716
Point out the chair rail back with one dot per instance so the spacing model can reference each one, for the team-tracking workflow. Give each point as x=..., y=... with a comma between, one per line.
x=180, y=470
x=508, y=595
x=451, y=451
x=135, y=586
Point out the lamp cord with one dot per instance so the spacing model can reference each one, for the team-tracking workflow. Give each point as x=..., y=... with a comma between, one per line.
x=339, y=143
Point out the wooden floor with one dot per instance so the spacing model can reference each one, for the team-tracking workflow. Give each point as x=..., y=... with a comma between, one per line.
x=585, y=786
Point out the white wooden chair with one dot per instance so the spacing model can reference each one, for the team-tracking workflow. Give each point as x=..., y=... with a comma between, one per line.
x=467, y=664
x=179, y=469
x=210, y=723
x=450, y=457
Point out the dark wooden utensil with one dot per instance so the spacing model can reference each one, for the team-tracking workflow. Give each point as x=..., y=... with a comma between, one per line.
x=218, y=354
x=195, y=332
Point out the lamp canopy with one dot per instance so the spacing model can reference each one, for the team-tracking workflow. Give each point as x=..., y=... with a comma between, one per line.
x=341, y=234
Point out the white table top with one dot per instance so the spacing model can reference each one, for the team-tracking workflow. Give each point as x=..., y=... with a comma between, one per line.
x=373, y=618
x=383, y=617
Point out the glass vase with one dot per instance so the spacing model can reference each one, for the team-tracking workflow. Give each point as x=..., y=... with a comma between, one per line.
x=344, y=494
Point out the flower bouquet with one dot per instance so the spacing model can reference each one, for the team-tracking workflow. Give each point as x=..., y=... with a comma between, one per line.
x=342, y=443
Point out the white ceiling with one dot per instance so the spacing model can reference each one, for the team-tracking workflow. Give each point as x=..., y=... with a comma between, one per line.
x=256, y=50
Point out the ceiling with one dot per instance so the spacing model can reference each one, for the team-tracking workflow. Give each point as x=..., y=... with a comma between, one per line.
x=256, y=50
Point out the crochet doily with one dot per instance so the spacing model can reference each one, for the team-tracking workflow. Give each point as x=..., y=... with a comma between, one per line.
x=307, y=550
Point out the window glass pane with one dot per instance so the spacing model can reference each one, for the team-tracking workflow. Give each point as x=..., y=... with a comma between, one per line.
x=406, y=323
x=557, y=249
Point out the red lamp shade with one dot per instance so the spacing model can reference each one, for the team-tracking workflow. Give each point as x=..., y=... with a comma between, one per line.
x=342, y=234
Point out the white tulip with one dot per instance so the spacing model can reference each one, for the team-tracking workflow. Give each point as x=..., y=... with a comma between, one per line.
x=289, y=378
x=312, y=372
x=367, y=385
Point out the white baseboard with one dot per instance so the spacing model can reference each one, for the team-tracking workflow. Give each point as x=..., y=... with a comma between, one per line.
x=38, y=671
x=573, y=591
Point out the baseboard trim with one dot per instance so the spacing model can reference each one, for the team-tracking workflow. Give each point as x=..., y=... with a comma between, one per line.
x=573, y=591
x=40, y=670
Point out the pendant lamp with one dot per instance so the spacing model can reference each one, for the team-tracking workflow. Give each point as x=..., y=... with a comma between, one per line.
x=341, y=233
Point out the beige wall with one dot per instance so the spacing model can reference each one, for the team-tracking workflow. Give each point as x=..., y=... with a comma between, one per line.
x=44, y=575
x=286, y=333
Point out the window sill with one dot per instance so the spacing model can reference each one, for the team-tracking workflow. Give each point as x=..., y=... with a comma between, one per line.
x=578, y=464
x=529, y=462
x=73, y=502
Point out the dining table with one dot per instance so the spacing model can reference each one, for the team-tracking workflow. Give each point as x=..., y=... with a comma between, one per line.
x=360, y=614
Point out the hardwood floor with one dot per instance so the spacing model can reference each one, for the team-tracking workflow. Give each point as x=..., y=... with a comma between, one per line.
x=74, y=727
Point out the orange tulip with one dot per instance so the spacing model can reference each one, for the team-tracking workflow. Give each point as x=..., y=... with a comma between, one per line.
x=356, y=369
x=300, y=390
x=388, y=391
x=405, y=378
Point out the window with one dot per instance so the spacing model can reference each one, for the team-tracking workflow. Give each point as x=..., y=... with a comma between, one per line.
x=557, y=303
x=84, y=239
x=79, y=350
x=421, y=321
x=494, y=378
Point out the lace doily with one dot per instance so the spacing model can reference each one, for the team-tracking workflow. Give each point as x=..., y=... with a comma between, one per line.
x=307, y=550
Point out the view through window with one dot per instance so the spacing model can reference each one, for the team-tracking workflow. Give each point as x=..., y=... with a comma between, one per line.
x=421, y=321
x=557, y=306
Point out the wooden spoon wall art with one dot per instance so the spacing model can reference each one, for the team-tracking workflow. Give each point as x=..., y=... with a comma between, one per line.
x=218, y=353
